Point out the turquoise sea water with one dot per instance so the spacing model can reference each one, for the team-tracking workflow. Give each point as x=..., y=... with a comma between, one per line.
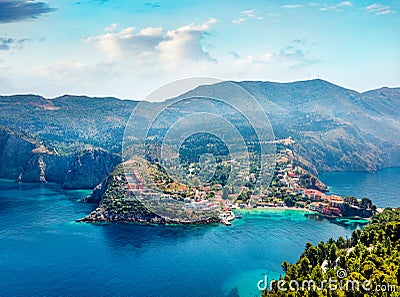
x=381, y=186
x=44, y=252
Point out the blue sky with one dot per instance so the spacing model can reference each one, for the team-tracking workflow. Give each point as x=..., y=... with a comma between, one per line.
x=127, y=48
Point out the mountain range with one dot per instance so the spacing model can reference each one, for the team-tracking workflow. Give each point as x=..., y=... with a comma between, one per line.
x=77, y=140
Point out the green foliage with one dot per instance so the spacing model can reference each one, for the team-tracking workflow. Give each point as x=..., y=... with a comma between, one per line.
x=244, y=196
x=68, y=123
x=289, y=202
x=371, y=254
x=225, y=193
x=308, y=181
x=199, y=144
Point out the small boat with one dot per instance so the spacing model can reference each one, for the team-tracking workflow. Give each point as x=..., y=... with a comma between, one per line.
x=238, y=215
x=226, y=222
x=227, y=215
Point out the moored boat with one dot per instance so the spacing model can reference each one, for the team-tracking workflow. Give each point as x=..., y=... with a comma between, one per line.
x=226, y=215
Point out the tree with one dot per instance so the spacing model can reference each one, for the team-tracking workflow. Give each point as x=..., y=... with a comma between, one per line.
x=225, y=193
x=375, y=256
x=289, y=202
x=313, y=255
x=285, y=266
x=341, y=242
x=351, y=200
x=305, y=266
x=365, y=203
x=332, y=252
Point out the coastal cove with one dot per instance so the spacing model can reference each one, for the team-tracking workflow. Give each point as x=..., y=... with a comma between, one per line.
x=382, y=187
x=45, y=252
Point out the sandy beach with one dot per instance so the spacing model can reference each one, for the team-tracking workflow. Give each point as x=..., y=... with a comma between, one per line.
x=269, y=208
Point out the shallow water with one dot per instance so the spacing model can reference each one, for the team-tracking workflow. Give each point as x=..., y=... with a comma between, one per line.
x=381, y=186
x=44, y=252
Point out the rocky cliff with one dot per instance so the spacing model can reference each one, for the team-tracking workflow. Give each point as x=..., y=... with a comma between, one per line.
x=15, y=152
x=89, y=168
x=27, y=160
x=44, y=166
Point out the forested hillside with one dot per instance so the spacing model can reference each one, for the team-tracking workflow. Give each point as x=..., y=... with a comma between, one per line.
x=368, y=262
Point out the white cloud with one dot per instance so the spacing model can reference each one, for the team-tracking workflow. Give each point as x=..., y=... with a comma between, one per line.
x=68, y=76
x=294, y=56
x=184, y=44
x=254, y=62
x=379, y=9
x=246, y=15
x=73, y=71
x=127, y=42
x=127, y=58
x=154, y=45
x=239, y=20
x=112, y=28
x=336, y=6
x=291, y=6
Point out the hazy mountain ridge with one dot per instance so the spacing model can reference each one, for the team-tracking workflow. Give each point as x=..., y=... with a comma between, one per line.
x=334, y=128
x=67, y=123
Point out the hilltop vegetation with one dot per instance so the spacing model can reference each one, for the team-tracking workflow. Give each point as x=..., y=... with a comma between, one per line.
x=118, y=204
x=333, y=128
x=69, y=123
x=371, y=254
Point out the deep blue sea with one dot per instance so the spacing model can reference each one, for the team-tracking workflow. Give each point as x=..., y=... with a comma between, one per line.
x=381, y=186
x=45, y=252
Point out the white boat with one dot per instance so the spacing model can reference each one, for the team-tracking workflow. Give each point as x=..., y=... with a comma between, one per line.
x=226, y=222
x=226, y=215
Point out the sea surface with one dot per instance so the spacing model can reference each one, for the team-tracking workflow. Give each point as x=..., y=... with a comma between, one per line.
x=383, y=187
x=44, y=252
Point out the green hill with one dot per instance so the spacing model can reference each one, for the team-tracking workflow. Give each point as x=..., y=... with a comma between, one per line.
x=367, y=264
x=333, y=128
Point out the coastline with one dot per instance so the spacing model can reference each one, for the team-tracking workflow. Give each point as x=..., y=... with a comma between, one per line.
x=305, y=211
x=269, y=208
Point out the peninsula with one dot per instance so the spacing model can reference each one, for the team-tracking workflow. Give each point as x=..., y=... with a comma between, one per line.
x=292, y=187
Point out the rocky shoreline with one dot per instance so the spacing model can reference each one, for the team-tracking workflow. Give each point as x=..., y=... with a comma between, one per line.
x=115, y=207
x=101, y=215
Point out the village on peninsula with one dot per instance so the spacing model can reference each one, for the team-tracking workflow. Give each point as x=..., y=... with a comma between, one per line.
x=292, y=187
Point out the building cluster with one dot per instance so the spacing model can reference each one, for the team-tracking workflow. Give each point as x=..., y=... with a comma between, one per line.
x=287, y=189
x=330, y=205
